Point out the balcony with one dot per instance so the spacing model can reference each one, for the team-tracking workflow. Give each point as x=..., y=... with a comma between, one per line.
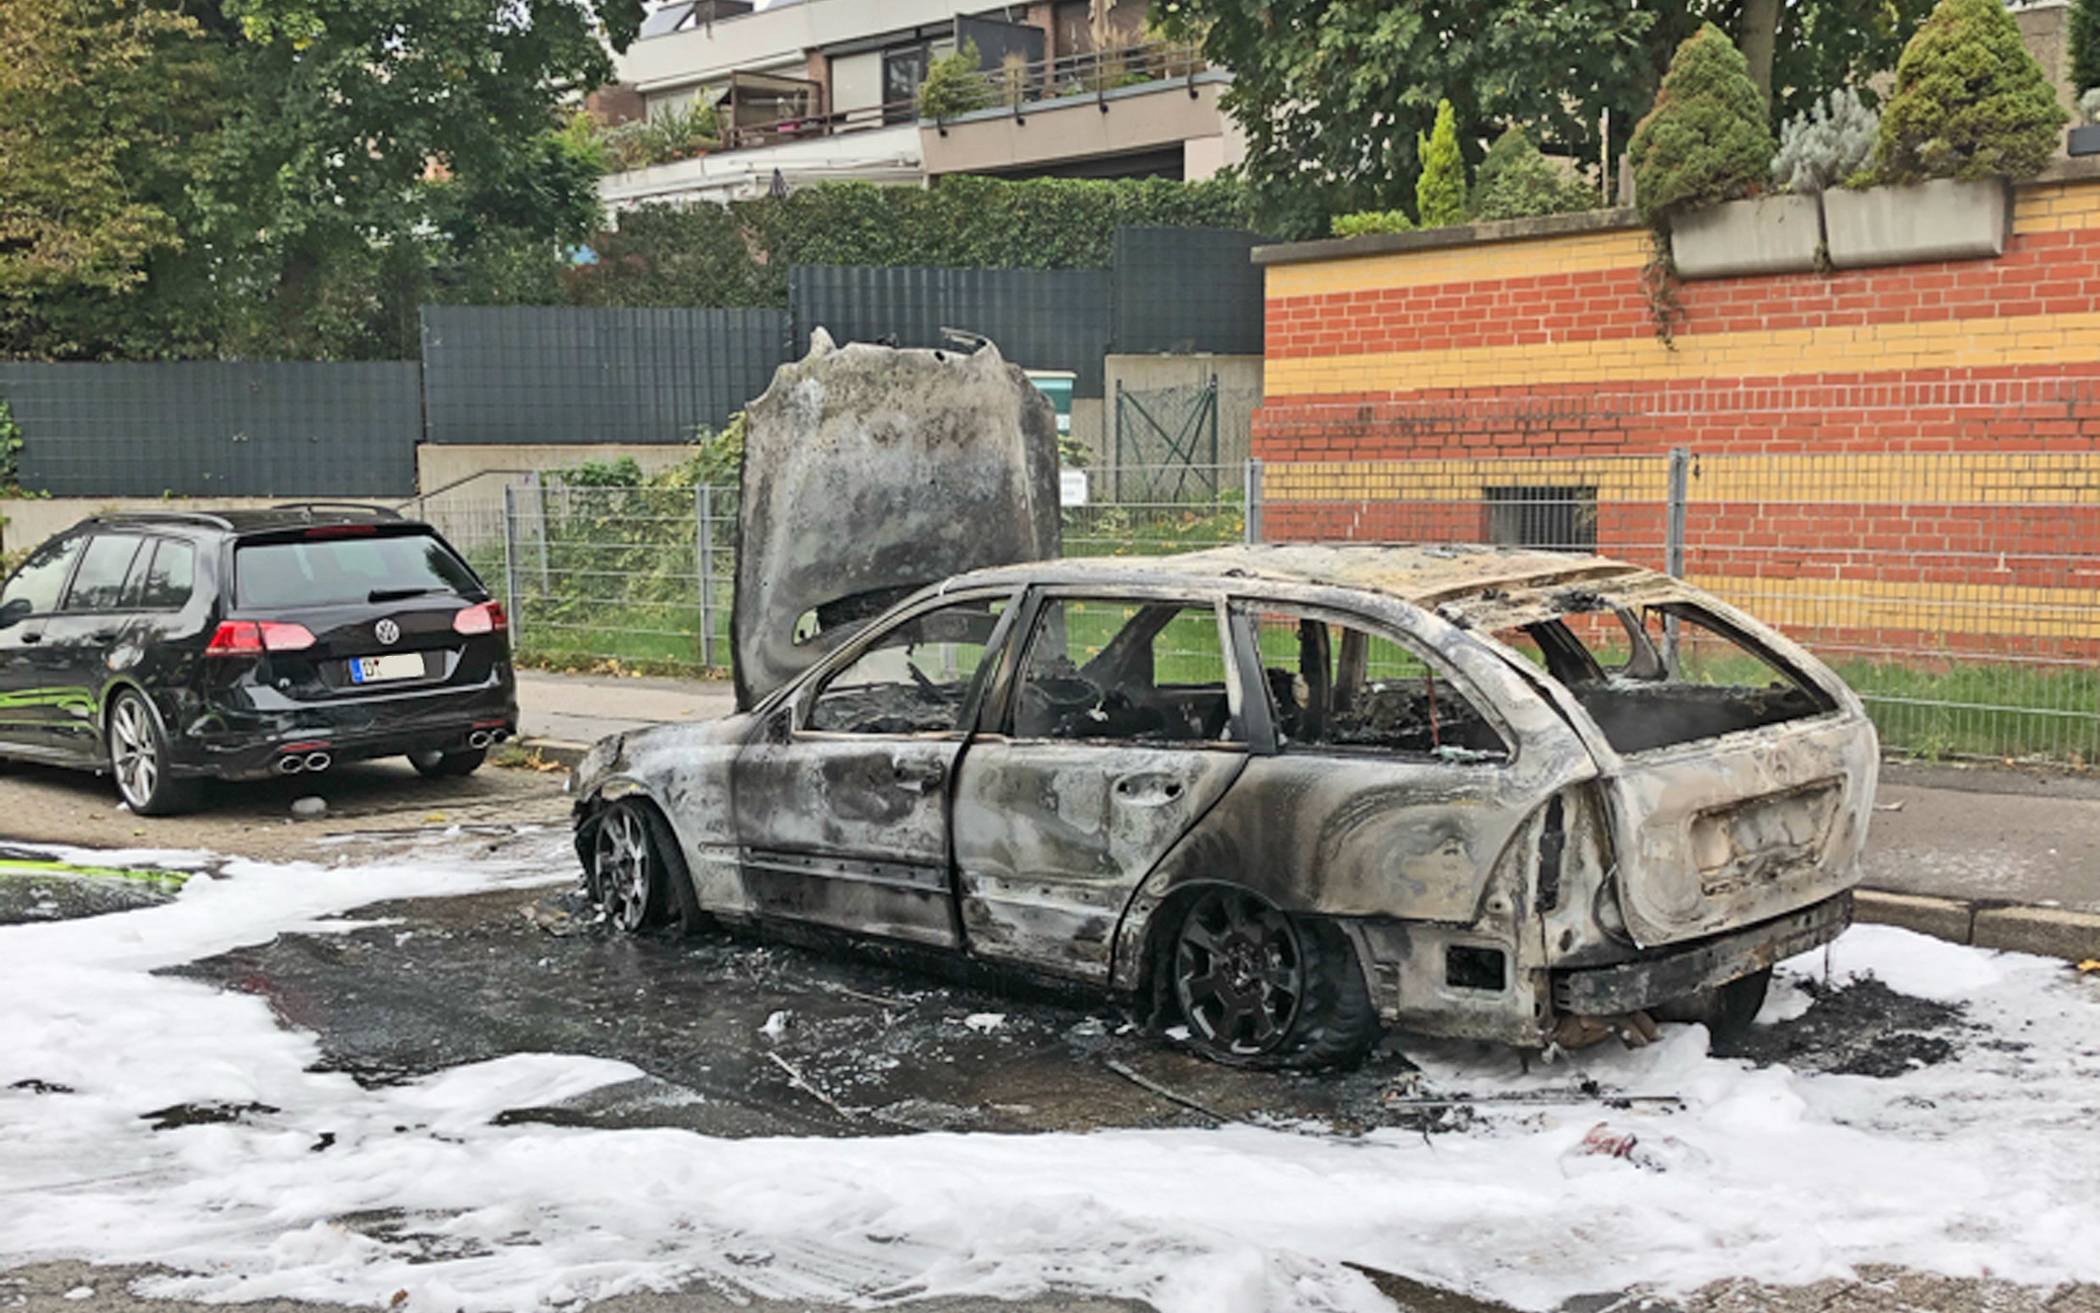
x=1138, y=109
x=1152, y=107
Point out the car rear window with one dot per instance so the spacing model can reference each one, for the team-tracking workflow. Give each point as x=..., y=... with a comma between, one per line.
x=332, y=571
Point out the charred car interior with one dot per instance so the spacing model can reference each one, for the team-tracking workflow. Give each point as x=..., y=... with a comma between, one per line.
x=1287, y=796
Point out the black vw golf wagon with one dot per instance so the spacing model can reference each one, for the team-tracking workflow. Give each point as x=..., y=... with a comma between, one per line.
x=167, y=647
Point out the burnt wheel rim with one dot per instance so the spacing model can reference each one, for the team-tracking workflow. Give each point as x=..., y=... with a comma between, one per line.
x=620, y=870
x=1238, y=974
x=132, y=752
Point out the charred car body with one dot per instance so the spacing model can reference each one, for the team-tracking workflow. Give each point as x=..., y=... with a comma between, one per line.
x=1291, y=793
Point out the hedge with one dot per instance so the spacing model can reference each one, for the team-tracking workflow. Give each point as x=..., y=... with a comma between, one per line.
x=739, y=254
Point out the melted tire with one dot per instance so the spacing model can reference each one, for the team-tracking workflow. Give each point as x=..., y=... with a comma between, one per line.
x=1334, y=1022
x=1337, y=1023
x=675, y=908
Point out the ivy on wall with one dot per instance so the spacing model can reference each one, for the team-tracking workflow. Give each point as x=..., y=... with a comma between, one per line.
x=739, y=254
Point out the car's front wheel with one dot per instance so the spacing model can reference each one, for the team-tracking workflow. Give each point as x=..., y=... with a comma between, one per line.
x=1258, y=988
x=138, y=757
x=636, y=874
x=435, y=765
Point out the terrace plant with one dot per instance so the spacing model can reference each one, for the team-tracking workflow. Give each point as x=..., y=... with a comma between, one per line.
x=1440, y=191
x=1707, y=139
x=1826, y=143
x=1372, y=221
x=955, y=84
x=1970, y=101
x=1517, y=181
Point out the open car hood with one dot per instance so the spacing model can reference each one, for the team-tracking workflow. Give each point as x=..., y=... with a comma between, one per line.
x=871, y=471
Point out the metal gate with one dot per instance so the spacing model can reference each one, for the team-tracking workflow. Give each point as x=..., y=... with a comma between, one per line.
x=1167, y=443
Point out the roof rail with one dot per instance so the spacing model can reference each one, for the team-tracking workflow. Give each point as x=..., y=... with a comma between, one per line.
x=149, y=517
x=362, y=508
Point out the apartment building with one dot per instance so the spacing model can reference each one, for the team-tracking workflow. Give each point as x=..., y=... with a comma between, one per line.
x=824, y=90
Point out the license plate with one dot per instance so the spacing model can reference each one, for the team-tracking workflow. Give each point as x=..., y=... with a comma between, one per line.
x=379, y=669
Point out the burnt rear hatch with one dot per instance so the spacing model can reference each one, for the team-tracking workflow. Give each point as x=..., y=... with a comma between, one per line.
x=1740, y=770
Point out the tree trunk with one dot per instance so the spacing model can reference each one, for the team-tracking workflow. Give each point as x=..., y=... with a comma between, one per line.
x=1760, y=38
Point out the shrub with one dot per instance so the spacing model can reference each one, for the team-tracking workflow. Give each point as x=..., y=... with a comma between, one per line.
x=1372, y=221
x=1707, y=140
x=1970, y=101
x=2089, y=105
x=664, y=137
x=1515, y=181
x=1440, y=191
x=739, y=255
x=955, y=84
x=1826, y=143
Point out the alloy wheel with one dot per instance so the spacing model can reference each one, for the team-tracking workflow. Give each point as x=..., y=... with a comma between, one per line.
x=1239, y=974
x=133, y=752
x=620, y=870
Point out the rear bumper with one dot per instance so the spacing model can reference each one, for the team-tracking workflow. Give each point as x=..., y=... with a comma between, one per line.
x=248, y=743
x=1677, y=973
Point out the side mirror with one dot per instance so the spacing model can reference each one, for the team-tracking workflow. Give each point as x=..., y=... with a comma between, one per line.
x=15, y=611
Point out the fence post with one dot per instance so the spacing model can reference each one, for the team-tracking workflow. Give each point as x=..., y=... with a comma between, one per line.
x=511, y=608
x=539, y=523
x=1673, y=542
x=1251, y=494
x=704, y=561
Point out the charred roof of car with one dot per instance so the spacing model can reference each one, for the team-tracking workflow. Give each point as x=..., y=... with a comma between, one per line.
x=1425, y=574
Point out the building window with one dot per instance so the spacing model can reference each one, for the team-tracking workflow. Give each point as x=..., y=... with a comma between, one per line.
x=903, y=69
x=1560, y=518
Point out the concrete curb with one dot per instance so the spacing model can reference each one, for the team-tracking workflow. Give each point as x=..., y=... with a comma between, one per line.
x=2045, y=931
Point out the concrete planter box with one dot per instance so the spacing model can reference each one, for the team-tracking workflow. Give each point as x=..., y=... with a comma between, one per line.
x=1938, y=220
x=2083, y=140
x=1768, y=235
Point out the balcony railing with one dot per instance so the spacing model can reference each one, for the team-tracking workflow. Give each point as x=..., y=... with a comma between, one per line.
x=1014, y=86
x=1017, y=85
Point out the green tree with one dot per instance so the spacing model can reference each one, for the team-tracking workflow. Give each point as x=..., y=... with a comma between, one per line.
x=388, y=150
x=286, y=177
x=2084, y=39
x=1440, y=189
x=103, y=107
x=1708, y=139
x=1333, y=94
x=1970, y=101
x=1516, y=181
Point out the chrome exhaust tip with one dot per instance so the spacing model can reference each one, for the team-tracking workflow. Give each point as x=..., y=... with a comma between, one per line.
x=290, y=765
x=478, y=739
x=318, y=760
x=497, y=736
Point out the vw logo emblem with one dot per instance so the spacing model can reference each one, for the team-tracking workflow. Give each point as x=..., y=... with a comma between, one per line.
x=386, y=631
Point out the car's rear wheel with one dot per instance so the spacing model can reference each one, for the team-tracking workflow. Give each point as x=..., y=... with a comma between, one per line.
x=637, y=874
x=435, y=765
x=1726, y=1010
x=138, y=758
x=1258, y=988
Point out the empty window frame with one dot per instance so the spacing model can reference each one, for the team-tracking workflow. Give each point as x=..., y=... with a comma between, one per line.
x=1669, y=674
x=915, y=679
x=1337, y=684
x=1126, y=669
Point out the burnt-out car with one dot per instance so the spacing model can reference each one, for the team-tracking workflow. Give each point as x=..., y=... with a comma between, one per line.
x=1284, y=795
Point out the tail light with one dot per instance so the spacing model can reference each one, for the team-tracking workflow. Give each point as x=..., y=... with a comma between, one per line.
x=482, y=618
x=249, y=637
